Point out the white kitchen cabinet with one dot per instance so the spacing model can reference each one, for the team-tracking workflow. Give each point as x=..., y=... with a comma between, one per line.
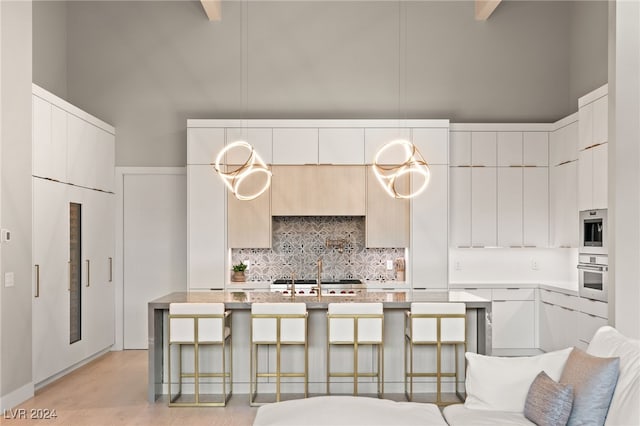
x=206, y=228
x=460, y=206
x=82, y=144
x=260, y=139
x=341, y=146
x=460, y=148
x=545, y=326
x=49, y=140
x=588, y=325
x=106, y=161
x=513, y=324
x=563, y=226
x=535, y=149
x=585, y=126
x=483, y=206
x=98, y=250
x=509, y=149
x=563, y=144
x=600, y=176
x=592, y=178
x=484, y=149
x=433, y=144
x=295, y=146
x=249, y=221
x=535, y=207
x=593, y=127
x=510, y=203
x=50, y=279
x=376, y=138
x=429, y=239
x=204, y=144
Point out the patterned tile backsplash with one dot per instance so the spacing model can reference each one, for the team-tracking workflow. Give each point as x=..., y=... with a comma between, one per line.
x=299, y=241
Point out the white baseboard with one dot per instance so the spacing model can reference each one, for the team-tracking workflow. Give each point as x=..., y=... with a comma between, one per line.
x=17, y=397
x=70, y=369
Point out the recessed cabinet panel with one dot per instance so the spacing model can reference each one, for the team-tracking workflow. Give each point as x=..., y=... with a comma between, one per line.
x=341, y=146
x=387, y=219
x=536, y=149
x=600, y=176
x=514, y=324
x=433, y=145
x=429, y=239
x=509, y=149
x=206, y=225
x=260, y=139
x=510, y=206
x=204, y=144
x=460, y=147
x=318, y=191
x=536, y=207
x=483, y=207
x=460, y=206
x=374, y=139
x=585, y=179
x=249, y=221
x=483, y=148
x=295, y=146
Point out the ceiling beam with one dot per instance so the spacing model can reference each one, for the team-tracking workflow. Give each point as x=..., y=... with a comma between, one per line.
x=213, y=9
x=484, y=8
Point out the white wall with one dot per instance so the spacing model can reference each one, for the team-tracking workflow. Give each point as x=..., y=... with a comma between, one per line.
x=15, y=180
x=624, y=166
x=513, y=266
x=148, y=66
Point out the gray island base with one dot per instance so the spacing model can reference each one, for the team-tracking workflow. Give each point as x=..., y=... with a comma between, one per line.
x=395, y=304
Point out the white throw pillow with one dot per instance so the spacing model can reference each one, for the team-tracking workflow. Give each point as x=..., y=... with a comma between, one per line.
x=502, y=383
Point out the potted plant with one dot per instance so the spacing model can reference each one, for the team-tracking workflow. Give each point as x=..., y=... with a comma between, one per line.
x=238, y=272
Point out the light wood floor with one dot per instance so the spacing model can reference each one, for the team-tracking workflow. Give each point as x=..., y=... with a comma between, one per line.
x=112, y=390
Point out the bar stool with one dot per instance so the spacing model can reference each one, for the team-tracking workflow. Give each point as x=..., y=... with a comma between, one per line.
x=356, y=324
x=196, y=325
x=277, y=324
x=439, y=324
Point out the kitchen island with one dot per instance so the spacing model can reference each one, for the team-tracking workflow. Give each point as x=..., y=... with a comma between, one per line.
x=395, y=303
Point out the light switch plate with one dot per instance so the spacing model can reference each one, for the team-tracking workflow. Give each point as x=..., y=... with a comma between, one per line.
x=389, y=265
x=248, y=263
x=8, y=279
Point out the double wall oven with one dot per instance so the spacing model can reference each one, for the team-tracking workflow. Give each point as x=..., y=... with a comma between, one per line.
x=593, y=260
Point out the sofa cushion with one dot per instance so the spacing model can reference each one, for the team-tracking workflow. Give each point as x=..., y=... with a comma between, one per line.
x=347, y=410
x=548, y=402
x=459, y=415
x=624, y=408
x=502, y=384
x=593, y=379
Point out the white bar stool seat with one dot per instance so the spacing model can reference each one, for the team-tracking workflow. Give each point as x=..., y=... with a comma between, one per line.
x=437, y=324
x=356, y=324
x=196, y=325
x=277, y=324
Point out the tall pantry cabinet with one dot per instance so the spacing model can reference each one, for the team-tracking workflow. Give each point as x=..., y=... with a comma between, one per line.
x=73, y=235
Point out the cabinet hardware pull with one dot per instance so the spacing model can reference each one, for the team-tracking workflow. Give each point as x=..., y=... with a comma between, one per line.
x=88, y=273
x=69, y=288
x=37, y=281
x=111, y=269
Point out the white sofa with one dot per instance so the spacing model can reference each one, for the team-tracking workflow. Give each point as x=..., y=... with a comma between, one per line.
x=624, y=409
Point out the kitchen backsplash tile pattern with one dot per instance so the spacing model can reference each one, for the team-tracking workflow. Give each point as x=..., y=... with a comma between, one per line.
x=299, y=241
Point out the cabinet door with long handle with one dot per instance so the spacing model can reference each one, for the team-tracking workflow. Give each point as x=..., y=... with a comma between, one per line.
x=50, y=278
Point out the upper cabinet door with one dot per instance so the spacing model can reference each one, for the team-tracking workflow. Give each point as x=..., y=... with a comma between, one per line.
x=204, y=144
x=460, y=206
x=105, y=167
x=341, y=146
x=536, y=207
x=601, y=120
x=295, y=146
x=600, y=176
x=536, y=149
x=387, y=218
x=483, y=148
x=483, y=207
x=433, y=144
x=509, y=149
x=460, y=147
x=374, y=139
x=260, y=139
x=82, y=158
x=49, y=140
x=585, y=114
x=510, y=206
x=570, y=142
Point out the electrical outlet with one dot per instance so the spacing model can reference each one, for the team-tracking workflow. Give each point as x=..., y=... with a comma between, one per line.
x=8, y=279
x=534, y=265
x=248, y=263
x=389, y=265
x=457, y=266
